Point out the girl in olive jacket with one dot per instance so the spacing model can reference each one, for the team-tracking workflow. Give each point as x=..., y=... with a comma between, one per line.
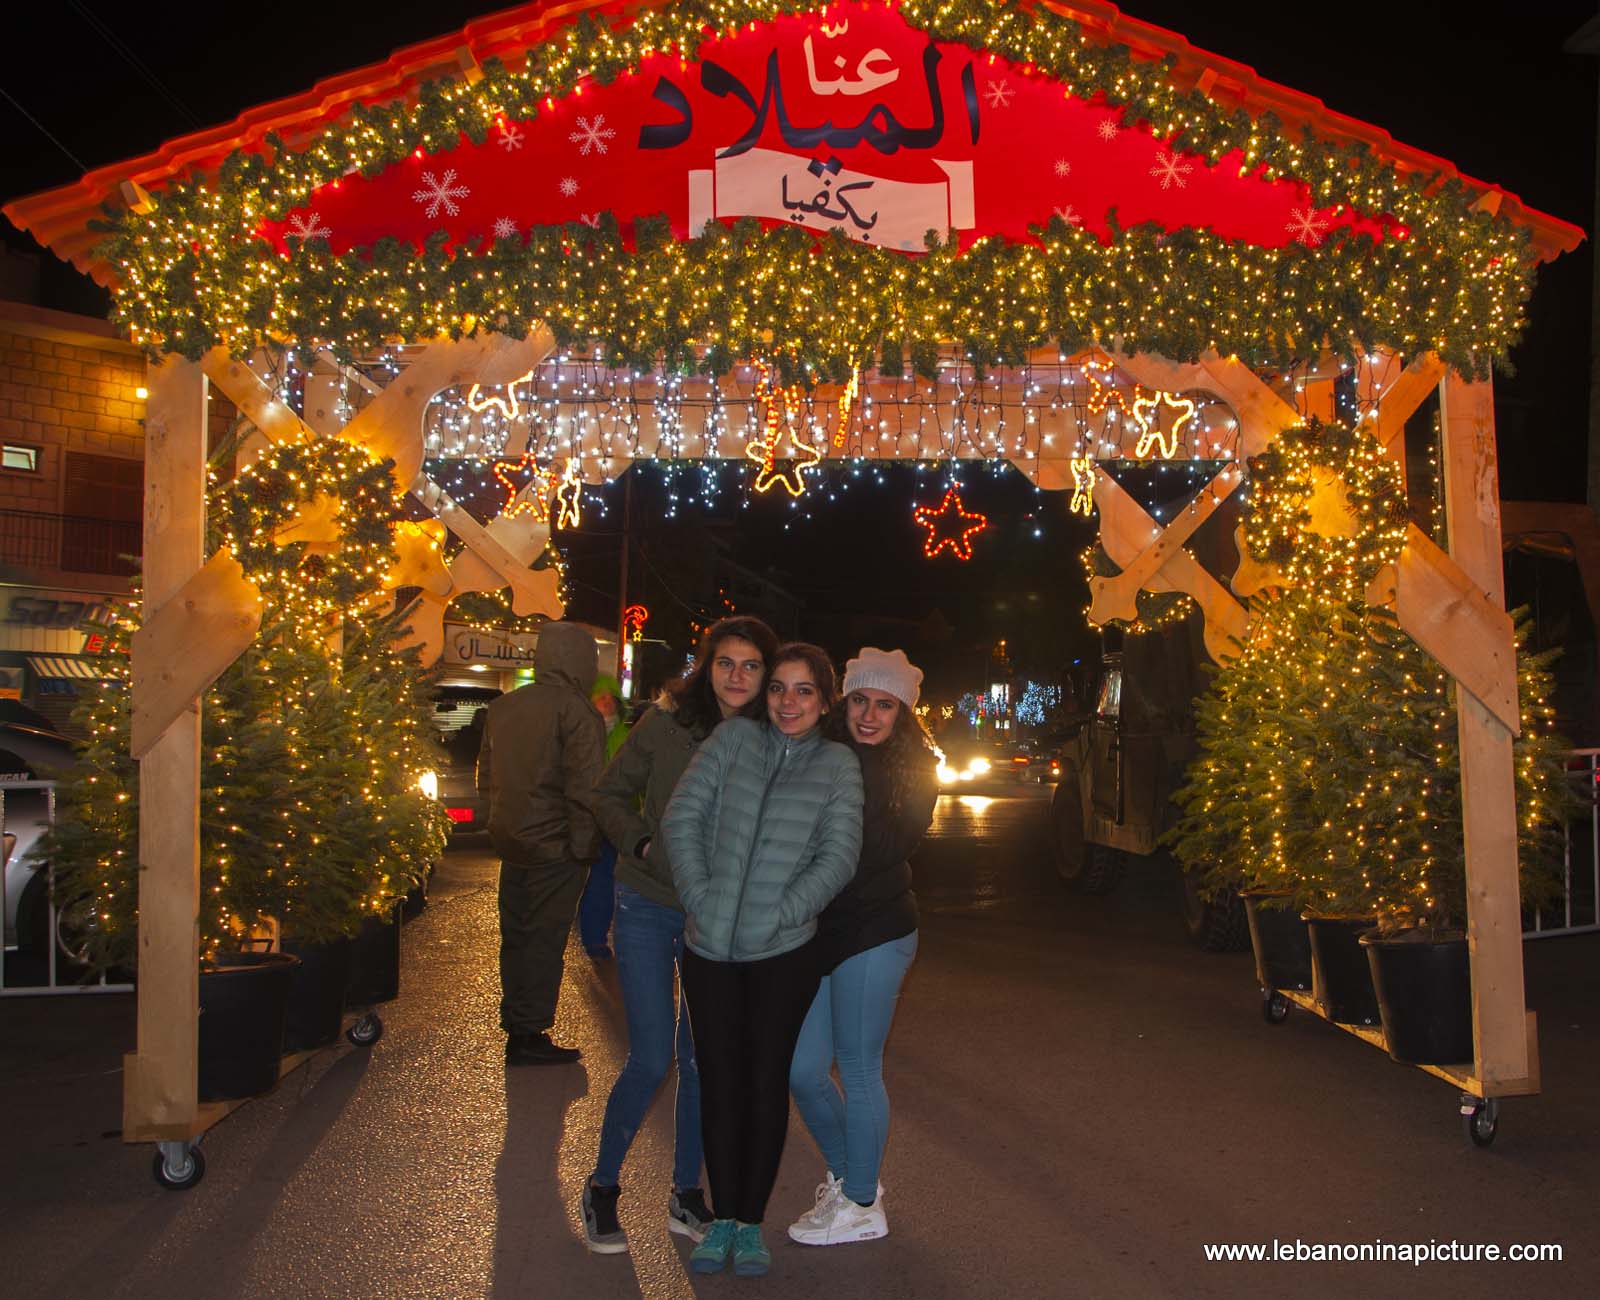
x=727, y=680
x=763, y=831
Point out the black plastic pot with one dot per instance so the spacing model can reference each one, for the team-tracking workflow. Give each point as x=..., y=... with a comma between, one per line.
x=242, y=1006
x=1424, y=987
x=1279, y=940
x=1341, y=980
x=375, y=961
x=316, y=997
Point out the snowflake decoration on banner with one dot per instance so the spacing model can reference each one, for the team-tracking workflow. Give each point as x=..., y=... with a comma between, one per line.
x=1063, y=167
x=592, y=134
x=307, y=226
x=1171, y=170
x=511, y=137
x=569, y=185
x=1069, y=214
x=1307, y=225
x=441, y=194
x=950, y=512
x=504, y=228
x=999, y=94
x=1107, y=130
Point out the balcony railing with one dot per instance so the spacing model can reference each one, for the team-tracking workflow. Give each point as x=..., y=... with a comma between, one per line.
x=74, y=543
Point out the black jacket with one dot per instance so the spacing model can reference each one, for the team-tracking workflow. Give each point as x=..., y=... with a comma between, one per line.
x=878, y=905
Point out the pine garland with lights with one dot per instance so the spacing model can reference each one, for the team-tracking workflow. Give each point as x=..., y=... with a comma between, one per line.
x=313, y=741
x=1327, y=762
x=194, y=273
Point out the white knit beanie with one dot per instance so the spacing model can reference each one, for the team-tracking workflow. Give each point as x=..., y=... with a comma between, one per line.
x=884, y=670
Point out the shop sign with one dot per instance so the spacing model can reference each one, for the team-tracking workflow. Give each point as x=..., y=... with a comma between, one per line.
x=489, y=646
x=53, y=622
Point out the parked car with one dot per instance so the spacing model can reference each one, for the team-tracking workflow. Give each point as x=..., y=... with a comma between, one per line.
x=459, y=713
x=971, y=764
x=32, y=754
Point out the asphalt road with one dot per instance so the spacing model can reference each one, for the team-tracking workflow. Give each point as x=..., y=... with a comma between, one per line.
x=1082, y=1103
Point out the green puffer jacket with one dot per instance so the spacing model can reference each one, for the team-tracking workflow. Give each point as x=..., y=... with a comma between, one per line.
x=649, y=763
x=763, y=830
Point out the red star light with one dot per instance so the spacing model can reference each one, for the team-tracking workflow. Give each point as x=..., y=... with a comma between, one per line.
x=950, y=525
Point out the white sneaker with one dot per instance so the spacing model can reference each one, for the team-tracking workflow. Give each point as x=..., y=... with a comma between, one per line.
x=839, y=1220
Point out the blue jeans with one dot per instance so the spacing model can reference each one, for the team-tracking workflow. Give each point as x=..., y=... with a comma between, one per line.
x=595, y=907
x=649, y=939
x=849, y=1022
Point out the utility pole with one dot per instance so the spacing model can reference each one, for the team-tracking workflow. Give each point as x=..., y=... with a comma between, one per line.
x=1586, y=40
x=622, y=581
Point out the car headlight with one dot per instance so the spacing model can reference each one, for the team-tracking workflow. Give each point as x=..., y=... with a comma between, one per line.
x=978, y=766
x=946, y=774
x=428, y=783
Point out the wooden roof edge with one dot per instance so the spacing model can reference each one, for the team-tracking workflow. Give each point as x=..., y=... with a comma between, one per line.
x=58, y=218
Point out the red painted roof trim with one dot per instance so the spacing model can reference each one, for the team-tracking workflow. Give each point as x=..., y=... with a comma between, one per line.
x=59, y=218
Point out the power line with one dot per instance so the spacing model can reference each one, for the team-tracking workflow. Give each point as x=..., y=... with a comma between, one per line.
x=43, y=130
x=133, y=61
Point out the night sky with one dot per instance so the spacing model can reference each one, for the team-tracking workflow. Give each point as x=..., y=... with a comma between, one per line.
x=1493, y=93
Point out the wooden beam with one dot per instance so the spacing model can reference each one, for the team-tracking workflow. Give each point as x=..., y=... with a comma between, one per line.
x=160, y=1077
x=185, y=645
x=256, y=402
x=1488, y=791
x=1401, y=400
x=1263, y=415
x=1451, y=618
x=390, y=426
x=1117, y=596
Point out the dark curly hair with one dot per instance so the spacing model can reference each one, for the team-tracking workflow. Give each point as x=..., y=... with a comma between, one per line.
x=691, y=699
x=908, y=751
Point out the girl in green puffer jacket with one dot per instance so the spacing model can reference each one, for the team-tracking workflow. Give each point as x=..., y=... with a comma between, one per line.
x=763, y=831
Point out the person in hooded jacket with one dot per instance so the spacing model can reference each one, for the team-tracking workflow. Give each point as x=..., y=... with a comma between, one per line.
x=866, y=940
x=543, y=747
x=763, y=830
x=725, y=682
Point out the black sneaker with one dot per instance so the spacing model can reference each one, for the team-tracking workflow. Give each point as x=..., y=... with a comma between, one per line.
x=688, y=1214
x=602, y=1234
x=537, y=1049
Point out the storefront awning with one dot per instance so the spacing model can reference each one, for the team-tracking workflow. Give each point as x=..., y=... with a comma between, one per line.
x=63, y=667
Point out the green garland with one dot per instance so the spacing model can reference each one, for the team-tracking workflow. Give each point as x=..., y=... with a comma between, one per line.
x=195, y=275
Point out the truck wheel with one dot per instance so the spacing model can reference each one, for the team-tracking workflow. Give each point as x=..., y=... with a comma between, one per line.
x=1214, y=924
x=1102, y=869
x=1066, y=821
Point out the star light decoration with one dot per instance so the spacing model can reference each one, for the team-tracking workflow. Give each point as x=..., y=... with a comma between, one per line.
x=538, y=482
x=569, y=496
x=950, y=525
x=1144, y=412
x=763, y=451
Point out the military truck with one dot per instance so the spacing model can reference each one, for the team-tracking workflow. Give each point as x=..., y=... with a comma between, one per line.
x=1122, y=764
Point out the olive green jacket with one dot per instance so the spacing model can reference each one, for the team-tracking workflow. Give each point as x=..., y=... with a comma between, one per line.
x=631, y=795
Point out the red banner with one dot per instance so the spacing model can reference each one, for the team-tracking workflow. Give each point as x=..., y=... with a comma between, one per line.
x=848, y=121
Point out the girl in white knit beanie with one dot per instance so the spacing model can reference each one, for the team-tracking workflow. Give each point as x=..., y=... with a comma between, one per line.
x=866, y=940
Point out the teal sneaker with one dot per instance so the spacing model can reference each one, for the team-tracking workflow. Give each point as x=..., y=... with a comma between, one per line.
x=751, y=1258
x=711, y=1255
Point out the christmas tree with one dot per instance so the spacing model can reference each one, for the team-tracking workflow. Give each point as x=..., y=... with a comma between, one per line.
x=313, y=741
x=1327, y=763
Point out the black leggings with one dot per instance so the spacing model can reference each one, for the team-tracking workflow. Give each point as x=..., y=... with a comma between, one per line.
x=746, y=1017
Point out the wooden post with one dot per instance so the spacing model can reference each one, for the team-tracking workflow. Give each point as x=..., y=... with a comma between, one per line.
x=1488, y=793
x=159, y=1079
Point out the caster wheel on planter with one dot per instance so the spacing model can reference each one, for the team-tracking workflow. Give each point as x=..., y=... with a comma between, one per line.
x=178, y=1166
x=1481, y=1118
x=1274, y=1007
x=366, y=1031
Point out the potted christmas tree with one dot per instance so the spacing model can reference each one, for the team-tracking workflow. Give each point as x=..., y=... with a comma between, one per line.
x=313, y=741
x=1327, y=768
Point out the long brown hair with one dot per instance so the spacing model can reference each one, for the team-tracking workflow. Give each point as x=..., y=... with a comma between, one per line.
x=908, y=752
x=691, y=698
